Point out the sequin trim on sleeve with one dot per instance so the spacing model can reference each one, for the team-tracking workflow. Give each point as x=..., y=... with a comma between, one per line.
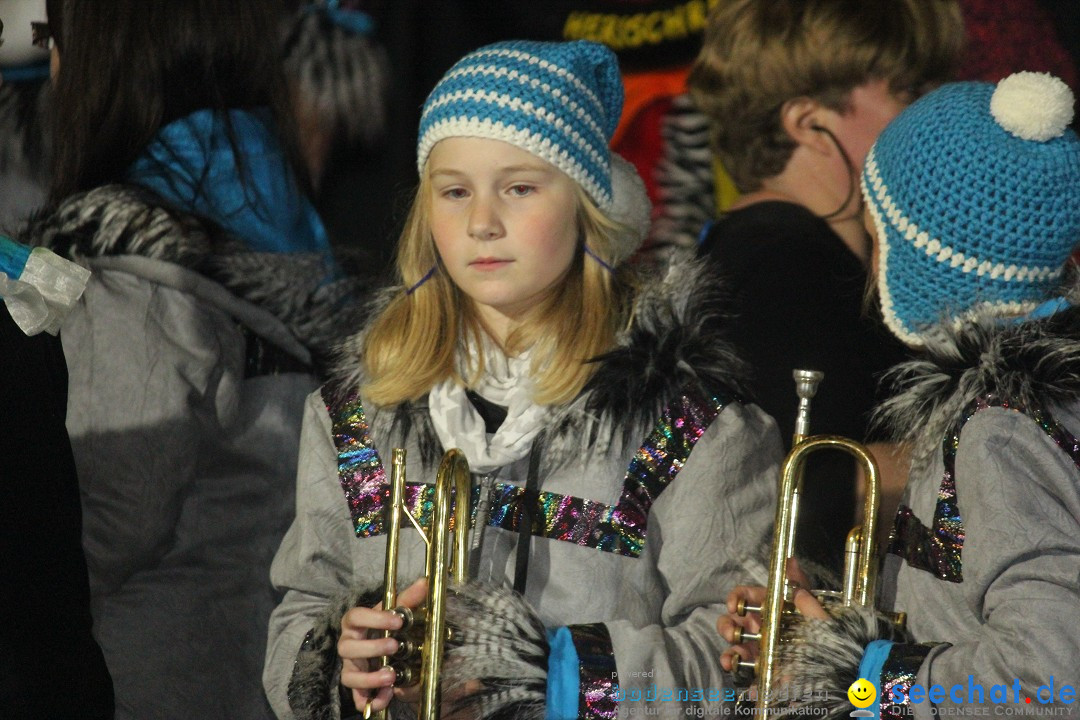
x=599, y=678
x=938, y=550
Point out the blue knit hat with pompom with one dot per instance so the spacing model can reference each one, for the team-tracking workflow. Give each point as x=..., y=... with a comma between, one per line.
x=974, y=192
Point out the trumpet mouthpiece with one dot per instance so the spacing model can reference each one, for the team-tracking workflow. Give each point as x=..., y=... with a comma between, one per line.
x=806, y=385
x=806, y=382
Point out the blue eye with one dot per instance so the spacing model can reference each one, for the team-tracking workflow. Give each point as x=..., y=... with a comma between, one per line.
x=521, y=190
x=454, y=193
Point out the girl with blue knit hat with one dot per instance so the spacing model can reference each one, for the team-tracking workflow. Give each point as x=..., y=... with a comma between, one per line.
x=973, y=199
x=621, y=486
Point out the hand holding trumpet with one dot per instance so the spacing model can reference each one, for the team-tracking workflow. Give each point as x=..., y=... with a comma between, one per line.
x=360, y=648
x=742, y=625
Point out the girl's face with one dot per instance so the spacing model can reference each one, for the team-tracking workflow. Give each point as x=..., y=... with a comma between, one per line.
x=504, y=223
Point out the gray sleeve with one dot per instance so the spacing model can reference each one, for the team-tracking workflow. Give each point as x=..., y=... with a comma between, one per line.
x=154, y=379
x=314, y=564
x=1019, y=497
x=709, y=531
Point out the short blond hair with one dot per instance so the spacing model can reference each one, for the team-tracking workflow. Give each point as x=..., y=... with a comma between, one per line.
x=413, y=344
x=759, y=54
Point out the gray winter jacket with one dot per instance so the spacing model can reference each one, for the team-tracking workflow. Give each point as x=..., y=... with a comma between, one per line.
x=645, y=524
x=189, y=361
x=985, y=553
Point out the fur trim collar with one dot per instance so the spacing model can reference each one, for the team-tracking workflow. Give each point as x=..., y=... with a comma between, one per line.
x=675, y=343
x=117, y=220
x=1034, y=363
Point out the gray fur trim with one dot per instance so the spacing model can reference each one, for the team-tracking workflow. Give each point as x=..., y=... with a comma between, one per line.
x=675, y=344
x=314, y=687
x=822, y=659
x=499, y=641
x=343, y=75
x=1035, y=363
x=129, y=220
x=23, y=140
x=685, y=178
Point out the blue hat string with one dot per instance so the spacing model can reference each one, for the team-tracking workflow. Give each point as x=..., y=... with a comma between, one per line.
x=597, y=258
x=427, y=276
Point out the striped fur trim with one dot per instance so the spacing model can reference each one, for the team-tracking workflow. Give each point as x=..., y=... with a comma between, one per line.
x=499, y=641
x=685, y=177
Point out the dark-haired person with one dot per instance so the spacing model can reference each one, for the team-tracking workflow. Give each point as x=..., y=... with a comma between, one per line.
x=195, y=344
x=795, y=94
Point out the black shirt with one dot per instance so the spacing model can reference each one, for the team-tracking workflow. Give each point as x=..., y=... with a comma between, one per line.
x=799, y=293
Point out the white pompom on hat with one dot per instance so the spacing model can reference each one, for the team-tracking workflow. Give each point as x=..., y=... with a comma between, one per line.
x=1033, y=106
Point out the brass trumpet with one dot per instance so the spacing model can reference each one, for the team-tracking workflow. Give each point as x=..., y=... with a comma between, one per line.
x=423, y=632
x=860, y=551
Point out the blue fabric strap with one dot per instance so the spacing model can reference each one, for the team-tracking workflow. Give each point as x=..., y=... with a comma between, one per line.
x=192, y=164
x=13, y=257
x=874, y=657
x=563, y=675
x=1048, y=308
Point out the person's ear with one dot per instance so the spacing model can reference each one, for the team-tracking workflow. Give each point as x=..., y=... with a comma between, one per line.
x=806, y=121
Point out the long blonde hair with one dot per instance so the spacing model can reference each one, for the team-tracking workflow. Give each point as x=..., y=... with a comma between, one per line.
x=413, y=344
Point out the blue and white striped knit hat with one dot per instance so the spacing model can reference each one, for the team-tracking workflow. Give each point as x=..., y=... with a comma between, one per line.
x=974, y=192
x=558, y=101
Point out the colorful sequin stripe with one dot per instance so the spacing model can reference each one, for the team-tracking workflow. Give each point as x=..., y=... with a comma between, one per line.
x=360, y=470
x=938, y=551
x=599, y=680
x=899, y=672
x=620, y=529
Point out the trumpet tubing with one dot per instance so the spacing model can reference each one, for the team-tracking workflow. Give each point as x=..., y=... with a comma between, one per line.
x=859, y=577
x=424, y=633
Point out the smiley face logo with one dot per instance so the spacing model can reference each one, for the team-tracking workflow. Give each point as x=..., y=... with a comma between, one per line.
x=861, y=693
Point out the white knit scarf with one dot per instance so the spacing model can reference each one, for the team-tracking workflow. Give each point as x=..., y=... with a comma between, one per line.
x=506, y=382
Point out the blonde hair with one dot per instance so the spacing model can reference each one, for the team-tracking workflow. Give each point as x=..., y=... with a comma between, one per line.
x=759, y=54
x=413, y=344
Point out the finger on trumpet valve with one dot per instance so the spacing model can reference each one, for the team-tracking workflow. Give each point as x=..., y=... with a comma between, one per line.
x=407, y=617
x=739, y=636
x=741, y=608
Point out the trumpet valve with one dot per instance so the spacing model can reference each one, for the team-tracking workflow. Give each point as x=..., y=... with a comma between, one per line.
x=408, y=617
x=406, y=649
x=740, y=636
x=404, y=676
x=741, y=608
